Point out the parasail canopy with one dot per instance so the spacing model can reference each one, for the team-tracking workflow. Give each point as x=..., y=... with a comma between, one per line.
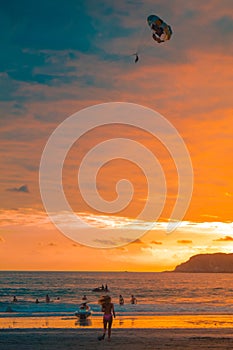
x=161, y=30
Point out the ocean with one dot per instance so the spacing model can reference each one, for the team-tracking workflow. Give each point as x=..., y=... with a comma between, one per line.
x=156, y=293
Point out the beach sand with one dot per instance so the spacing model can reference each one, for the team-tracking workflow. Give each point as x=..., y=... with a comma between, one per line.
x=137, y=339
x=194, y=332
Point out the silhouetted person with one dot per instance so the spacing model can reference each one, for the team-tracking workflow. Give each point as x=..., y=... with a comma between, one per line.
x=109, y=313
x=133, y=299
x=121, y=300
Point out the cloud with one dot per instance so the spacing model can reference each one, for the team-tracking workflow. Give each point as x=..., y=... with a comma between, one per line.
x=184, y=241
x=51, y=244
x=24, y=217
x=124, y=249
x=35, y=217
x=138, y=241
x=22, y=189
x=156, y=242
x=225, y=239
x=209, y=216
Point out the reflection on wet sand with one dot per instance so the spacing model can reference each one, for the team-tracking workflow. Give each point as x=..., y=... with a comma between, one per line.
x=160, y=321
x=83, y=322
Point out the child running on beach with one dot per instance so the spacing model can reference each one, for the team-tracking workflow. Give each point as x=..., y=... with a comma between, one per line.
x=108, y=309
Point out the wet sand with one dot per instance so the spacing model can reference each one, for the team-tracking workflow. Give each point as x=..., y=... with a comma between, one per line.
x=120, y=322
x=137, y=339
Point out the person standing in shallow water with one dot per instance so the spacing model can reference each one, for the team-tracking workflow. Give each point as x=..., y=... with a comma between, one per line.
x=109, y=313
x=121, y=300
x=133, y=299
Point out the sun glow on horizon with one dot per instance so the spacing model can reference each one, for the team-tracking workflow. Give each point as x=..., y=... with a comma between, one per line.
x=154, y=251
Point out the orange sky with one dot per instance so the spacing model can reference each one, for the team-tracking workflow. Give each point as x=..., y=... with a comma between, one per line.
x=188, y=80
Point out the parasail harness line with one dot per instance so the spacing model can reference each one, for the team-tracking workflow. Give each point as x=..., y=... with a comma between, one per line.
x=140, y=43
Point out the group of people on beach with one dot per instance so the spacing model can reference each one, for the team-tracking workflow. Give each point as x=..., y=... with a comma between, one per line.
x=107, y=307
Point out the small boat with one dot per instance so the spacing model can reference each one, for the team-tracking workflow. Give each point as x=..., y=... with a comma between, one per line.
x=101, y=289
x=83, y=312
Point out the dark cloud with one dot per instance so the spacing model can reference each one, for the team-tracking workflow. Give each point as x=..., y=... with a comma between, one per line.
x=30, y=167
x=76, y=245
x=156, y=242
x=51, y=244
x=184, y=241
x=21, y=189
x=224, y=239
x=122, y=248
x=138, y=241
x=225, y=26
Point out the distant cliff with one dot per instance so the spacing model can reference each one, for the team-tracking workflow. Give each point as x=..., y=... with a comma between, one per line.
x=218, y=262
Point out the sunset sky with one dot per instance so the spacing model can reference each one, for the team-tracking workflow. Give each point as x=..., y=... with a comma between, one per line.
x=59, y=57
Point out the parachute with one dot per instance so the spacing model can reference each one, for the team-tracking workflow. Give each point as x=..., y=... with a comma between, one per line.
x=161, y=30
